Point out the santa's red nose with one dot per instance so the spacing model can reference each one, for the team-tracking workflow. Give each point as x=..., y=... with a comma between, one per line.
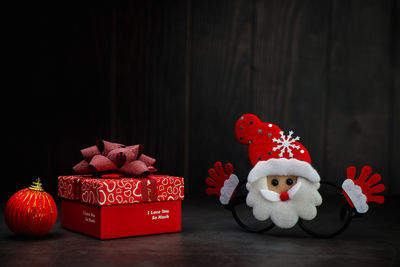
x=284, y=196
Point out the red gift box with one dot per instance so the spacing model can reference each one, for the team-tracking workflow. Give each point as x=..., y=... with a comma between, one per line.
x=122, y=207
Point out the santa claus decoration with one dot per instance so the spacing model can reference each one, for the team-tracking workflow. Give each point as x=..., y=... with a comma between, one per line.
x=283, y=185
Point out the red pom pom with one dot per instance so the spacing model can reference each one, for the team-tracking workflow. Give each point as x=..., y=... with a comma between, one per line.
x=284, y=196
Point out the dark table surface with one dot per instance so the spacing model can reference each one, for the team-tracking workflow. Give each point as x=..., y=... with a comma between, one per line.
x=211, y=237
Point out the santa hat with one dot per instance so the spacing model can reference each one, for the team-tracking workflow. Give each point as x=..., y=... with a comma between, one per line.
x=271, y=152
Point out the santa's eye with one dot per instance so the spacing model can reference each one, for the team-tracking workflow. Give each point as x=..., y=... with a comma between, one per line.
x=289, y=181
x=274, y=182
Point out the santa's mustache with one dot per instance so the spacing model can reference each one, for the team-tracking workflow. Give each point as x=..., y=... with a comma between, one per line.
x=274, y=196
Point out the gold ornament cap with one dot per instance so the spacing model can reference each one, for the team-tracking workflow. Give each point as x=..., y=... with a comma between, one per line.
x=37, y=185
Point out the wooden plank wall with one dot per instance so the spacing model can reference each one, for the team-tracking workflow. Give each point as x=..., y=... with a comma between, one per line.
x=176, y=75
x=394, y=132
x=57, y=93
x=220, y=85
x=360, y=87
x=290, y=62
x=149, y=91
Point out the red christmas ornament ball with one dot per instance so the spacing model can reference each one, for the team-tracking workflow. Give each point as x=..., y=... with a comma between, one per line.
x=31, y=211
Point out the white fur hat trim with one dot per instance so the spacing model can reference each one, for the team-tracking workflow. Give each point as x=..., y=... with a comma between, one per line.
x=283, y=166
x=356, y=195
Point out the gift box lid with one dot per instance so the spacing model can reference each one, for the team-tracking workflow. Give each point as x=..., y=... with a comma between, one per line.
x=116, y=191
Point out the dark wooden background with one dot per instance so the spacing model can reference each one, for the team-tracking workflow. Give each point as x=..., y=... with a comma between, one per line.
x=176, y=75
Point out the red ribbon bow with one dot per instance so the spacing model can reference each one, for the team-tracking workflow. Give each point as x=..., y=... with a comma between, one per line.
x=113, y=157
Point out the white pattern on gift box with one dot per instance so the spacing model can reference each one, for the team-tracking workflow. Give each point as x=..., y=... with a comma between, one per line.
x=117, y=190
x=119, y=199
x=108, y=189
x=65, y=188
x=169, y=188
x=109, y=192
x=134, y=191
x=127, y=193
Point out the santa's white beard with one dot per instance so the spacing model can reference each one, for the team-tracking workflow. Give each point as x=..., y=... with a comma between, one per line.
x=284, y=214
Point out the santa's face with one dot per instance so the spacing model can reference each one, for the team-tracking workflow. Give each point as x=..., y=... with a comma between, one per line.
x=284, y=199
x=281, y=183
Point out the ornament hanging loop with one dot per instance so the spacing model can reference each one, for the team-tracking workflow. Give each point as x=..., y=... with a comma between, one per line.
x=37, y=185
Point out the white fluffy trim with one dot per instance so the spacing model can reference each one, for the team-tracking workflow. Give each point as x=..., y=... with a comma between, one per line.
x=283, y=166
x=356, y=195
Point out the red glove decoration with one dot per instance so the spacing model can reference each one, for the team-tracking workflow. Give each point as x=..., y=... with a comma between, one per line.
x=358, y=192
x=218, y=177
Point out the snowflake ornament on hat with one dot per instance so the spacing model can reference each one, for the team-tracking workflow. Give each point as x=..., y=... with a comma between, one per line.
x=282, y=184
